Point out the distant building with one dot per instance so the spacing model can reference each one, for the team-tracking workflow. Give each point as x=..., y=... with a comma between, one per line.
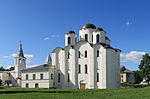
x=126, y=75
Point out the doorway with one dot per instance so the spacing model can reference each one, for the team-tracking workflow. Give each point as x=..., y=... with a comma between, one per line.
x=82, y=86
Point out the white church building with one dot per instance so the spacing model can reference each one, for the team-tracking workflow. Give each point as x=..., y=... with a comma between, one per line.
x=87, y=63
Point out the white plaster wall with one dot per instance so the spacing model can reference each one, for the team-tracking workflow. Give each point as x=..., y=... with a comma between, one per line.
x=88, y=78
x=43, y=83
x=101, y=38
x=73, y=38
x=113, y=68
x=82, y=33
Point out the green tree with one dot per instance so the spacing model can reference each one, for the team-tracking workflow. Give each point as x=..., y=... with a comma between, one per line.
x=138, y=77
x=11, y=68
x=2, y=69
x=145, y=67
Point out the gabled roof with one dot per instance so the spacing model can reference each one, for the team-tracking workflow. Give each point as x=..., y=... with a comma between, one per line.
x=124, y=70
x=39, y=68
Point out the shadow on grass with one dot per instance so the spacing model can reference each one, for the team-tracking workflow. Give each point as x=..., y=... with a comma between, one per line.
x=14, y=92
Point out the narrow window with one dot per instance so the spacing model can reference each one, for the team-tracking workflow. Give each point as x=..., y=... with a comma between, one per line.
x=27, y=77
x=122, y=75
x=41, y=76
x=85, y=53
x=86, y=37
x=122, y=80
x=97, y=53
x=69, y=40
x=52, y=76
x=97, y=38
x=33, y=76
x=68, y=77
x=58, y=77
x=97, y=77
x=36, y=85
x=79, y=69
x=68, y=55
x=27, y=85
x=86, y=69
x=79, y=54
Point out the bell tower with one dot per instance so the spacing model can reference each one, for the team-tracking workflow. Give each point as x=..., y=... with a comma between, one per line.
x=20, y=62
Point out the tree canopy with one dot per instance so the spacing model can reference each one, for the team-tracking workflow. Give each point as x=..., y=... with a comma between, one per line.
x=145, y=67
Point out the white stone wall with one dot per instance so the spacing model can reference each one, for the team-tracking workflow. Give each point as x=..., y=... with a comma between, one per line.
x=43, y=83
x=113, y=68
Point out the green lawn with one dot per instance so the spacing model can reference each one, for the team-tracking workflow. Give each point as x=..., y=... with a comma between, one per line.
x=38, y=93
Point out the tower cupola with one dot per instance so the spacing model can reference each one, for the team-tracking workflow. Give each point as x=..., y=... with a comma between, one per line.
x=70, y=38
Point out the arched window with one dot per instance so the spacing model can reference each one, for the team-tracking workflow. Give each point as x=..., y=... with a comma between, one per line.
x=52, y=77
x=68, y=55
x=97, y=77
x=69, y=40
x=86, y=69
x=97, y=53
x=85, y=54
x=97, y=38
x=68, y=77
x=79, y=69
x=86, y=37
x=79, y=54
x=58, y=77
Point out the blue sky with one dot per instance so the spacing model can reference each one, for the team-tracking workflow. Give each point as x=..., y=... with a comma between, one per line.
x=41, y=25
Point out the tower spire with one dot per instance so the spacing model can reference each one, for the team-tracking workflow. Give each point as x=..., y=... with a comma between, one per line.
x=20, y=52
x=48, y=60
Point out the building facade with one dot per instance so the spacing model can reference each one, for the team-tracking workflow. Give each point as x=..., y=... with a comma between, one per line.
x=89, y=63
x=126, y=75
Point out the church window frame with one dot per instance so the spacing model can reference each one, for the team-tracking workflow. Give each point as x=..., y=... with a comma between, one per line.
x=97, y=77
x=86, y=69
x=85, y=54
x=52, y=76
x=68, y=55
x=68, y=77
x=58, y=77
x=69, y=40
x=86, y=37
x=79, y=54
x=97, y=53
x=41, y=76
x=27, y=76
x=79, y=71
x=34, y=76
x=97, y=38
x=27, y=85
x=36, y=85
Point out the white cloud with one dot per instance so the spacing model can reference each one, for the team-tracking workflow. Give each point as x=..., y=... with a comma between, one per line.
x=55, y=35
x=128, y=23
x=6, y=57
x=132, y=56
x=47, y=38
x=9, y=66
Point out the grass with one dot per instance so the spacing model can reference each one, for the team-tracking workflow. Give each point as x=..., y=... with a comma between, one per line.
x=40, y=93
